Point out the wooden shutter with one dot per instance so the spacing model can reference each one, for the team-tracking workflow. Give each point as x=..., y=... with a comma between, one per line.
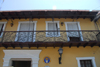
x=24, y=27
x=54, y=27
x=72, y=26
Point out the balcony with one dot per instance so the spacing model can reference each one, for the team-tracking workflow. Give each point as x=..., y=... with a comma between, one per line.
x=50, y=38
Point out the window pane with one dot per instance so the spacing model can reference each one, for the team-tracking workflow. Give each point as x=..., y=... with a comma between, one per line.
x=52, y=26
x=82, y=63
x=86, y=63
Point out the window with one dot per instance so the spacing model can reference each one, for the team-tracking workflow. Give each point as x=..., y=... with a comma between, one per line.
x=86, y=61
x=2, y=27
x=53, y=27
x=26, y=36
x=73, y=35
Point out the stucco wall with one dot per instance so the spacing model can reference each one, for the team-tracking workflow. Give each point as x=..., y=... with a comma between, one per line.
x=85, y=24
x=69, y=54
x=68, y=57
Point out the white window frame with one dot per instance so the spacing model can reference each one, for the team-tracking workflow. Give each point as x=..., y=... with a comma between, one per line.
x=86, y=58
x=35, y=22
x=3, y=28
x=66, y=23
x=47, y=27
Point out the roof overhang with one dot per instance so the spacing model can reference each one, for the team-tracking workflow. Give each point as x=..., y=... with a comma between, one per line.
x=47, y=14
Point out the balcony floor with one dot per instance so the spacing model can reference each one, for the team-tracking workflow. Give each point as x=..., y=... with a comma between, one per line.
x=50, y=44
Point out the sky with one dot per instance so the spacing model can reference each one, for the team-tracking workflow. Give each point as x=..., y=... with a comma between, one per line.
x=49, y=5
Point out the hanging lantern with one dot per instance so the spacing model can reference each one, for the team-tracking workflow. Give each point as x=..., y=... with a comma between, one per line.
x=62, y=23
x=11, y=23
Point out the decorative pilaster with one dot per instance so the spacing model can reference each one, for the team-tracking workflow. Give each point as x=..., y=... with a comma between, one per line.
x=35, y=62
x=6, y=62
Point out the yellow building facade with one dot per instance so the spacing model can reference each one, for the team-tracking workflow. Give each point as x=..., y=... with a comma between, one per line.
x=71, y=56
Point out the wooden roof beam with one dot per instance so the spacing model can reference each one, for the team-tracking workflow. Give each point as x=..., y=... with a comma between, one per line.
x=77, y=17
x=75, y=13
x=37, y=45
x=99, y=45
x=9, y=14
x=19, y=18
x=72, y=17
x=0, y=18
x=54, y=45
x=65, y=17
x=28, y=45
x=16, y=13
x=91, y=19
x=80, y=13
x=4, y=46
x=45, y=45
x=85, y=45
x=78, y=45
x=70, y=45
x=1, y=14
x=6, y=18
x=30, y=14
x=13, y=18
x=12, y=45
x=24, y=15
x=93, y=44
x=40, y=16
x=45, y=15
x=62, y=45
x=20, y=45
x=84, y=17
x=88, y=13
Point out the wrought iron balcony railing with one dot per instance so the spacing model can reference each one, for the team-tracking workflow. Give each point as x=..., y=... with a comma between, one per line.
x=50, y=36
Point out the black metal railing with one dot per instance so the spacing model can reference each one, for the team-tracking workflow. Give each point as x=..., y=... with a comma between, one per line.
x=50, y=36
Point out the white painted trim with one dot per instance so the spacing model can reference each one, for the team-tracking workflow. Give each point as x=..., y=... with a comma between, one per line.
x=78, y=27
x=20, y=54
x=86, y=58
x=52, y=22
x=3, y=28
x=35, y=22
